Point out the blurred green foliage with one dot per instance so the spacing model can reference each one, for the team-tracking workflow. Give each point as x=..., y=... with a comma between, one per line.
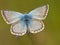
x=49, y=36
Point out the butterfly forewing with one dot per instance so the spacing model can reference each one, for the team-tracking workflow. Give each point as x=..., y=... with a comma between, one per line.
x=40, y=12
x=10, y=16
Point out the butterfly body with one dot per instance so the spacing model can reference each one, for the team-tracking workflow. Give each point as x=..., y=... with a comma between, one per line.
x=26, y=19
x=26, y=23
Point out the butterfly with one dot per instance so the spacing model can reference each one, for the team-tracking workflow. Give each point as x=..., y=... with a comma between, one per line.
x=22, y=23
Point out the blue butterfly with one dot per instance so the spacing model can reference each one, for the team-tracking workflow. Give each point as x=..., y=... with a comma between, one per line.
x=22, y=23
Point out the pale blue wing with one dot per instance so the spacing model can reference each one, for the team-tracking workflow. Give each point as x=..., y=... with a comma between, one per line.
x=40, y=12
x=36, y=26
x=18, y=28
x=10, y=16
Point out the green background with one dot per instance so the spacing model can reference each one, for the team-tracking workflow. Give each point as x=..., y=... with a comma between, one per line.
x=49, y=36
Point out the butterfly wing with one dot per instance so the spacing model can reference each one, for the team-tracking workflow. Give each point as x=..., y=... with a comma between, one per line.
x=10, y=16
x=40, y=13
x=18, y=29
x=36, y=26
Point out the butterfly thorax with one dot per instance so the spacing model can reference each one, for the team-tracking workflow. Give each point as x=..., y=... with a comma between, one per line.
x=26, y=19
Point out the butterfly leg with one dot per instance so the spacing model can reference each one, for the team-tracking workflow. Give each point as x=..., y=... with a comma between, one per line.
x=16, y=36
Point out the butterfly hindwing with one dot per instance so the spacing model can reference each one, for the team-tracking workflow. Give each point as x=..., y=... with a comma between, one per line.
x=36, y=26
x=18, y=29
